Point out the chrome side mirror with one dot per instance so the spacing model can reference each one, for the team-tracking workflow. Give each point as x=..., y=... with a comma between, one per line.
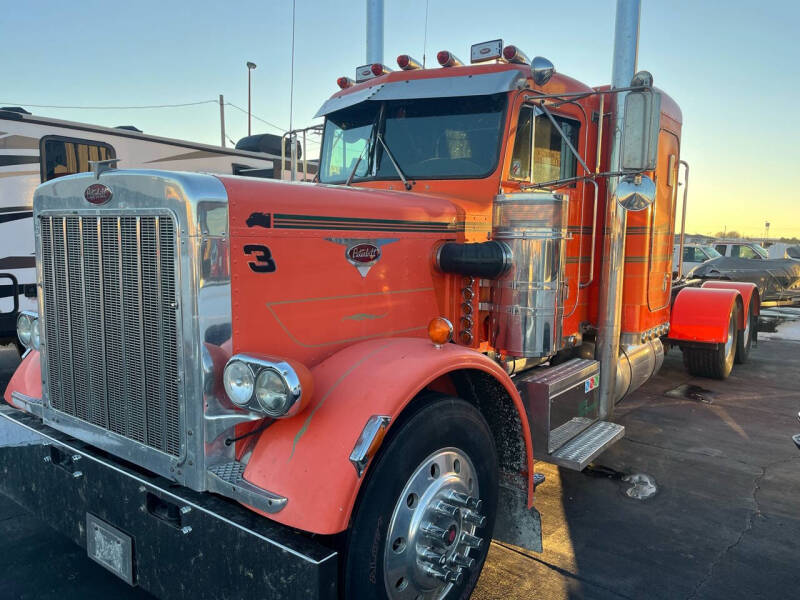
x=542, y=70
x=640, y=126
x=635, y=192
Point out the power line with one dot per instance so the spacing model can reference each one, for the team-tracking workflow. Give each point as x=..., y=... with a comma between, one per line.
x=278, y=127
x=110, y=107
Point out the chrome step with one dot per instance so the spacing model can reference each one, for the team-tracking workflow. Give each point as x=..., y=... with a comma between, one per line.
x=580, y=450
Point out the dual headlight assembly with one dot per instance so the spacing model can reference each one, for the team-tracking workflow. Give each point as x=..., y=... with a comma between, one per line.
x=28, y=329
x=275, y=388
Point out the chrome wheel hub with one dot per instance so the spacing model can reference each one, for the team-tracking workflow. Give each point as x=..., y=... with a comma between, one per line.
x=730, y=344
x=433, y=528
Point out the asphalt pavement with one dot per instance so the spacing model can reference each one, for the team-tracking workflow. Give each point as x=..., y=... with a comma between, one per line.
x=723, y=523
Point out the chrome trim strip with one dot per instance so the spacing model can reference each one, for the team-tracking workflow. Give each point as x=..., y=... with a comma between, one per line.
x=228, y=479
x=375, y=425
x=28, y=403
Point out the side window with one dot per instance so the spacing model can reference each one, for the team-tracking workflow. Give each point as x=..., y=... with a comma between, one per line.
x=67, y=156
x=521, y=157
x=721, y=248
x=552, y=158
x=688, y=254
x=745, y=252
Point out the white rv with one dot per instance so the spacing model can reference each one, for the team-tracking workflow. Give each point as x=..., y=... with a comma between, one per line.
x=36, y=149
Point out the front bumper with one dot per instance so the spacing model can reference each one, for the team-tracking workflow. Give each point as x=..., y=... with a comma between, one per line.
x=185, y=544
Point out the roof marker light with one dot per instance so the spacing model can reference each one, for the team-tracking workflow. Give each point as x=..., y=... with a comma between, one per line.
x=514, y=55
x=408, y=63
x=486, y=51
x=448, y=59
x=344, y=82
x=379, y=69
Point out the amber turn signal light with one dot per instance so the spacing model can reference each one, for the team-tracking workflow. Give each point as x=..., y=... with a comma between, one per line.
x=440, y=330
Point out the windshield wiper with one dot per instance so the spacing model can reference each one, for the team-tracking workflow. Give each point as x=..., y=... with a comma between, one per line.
x=394, y=162
x=355, y=168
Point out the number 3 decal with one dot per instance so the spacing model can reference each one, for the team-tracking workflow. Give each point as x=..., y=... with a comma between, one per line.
x=263, y=262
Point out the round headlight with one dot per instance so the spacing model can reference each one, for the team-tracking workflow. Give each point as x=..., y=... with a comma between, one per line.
x=272, y=393
x=24, y=329
x=239, y=381
x=35, y=334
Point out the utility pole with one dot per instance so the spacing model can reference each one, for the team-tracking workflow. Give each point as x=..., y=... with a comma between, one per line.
x=250, y=67
x=221, y=121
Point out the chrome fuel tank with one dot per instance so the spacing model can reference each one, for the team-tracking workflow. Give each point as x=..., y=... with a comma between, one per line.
x=527, y=302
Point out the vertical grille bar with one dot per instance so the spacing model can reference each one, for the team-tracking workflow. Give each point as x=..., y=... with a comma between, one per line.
x=109, y=286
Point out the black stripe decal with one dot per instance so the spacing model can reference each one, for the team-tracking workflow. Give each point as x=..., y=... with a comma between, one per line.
x=287, y=221
x=16, y=216
x=15, y=159
x=7, y=209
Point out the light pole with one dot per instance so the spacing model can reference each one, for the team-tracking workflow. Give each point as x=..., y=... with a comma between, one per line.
x=250, y=67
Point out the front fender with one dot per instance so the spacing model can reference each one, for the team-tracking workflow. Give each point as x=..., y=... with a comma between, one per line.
x=701, y=315
x=26, y=380
x=306, y=458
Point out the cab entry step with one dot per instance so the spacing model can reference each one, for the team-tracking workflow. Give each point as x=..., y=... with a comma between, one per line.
x=580, y=450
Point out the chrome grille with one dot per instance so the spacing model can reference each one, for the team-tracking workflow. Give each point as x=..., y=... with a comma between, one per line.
x=109, y=293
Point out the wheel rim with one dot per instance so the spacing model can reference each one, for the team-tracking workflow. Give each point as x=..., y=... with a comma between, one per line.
x=433, y=528
x=746, y=332
x=731, y=343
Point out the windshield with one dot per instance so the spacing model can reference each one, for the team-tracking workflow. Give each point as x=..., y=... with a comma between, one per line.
x=711, y=252
x=429, y=139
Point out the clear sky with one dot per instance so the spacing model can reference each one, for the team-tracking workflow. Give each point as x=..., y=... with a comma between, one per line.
x=731, y=65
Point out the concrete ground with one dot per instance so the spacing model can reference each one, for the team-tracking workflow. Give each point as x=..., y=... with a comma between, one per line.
x=724, y=523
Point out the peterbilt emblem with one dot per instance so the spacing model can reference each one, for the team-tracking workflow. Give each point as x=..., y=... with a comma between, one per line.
x=97, y=193
x=363, y=254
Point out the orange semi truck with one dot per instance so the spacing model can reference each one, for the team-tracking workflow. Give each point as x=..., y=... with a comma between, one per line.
x=242, y=388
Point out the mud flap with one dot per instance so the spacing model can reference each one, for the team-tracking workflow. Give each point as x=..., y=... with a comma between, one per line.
x=517, y=524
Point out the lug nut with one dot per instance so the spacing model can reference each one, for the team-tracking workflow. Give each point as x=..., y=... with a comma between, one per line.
x=472, y=541
x=446, y=509
x=474, y=518
x=428, y=555
x=436, y=533
x=459, y=560
x=455, y=577
x=465, y=500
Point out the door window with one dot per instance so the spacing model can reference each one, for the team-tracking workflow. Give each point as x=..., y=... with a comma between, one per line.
x=721, y=249
x=744, y=252
x=521, y=157
x=549, y=158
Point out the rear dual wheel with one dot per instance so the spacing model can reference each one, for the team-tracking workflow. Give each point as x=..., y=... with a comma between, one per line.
x=714, y=360
x=424, y=520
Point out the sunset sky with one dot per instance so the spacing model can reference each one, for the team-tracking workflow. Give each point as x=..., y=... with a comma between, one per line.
x=731, y=66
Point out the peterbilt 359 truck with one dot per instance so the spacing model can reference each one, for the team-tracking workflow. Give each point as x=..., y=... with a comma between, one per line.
x=242, y=388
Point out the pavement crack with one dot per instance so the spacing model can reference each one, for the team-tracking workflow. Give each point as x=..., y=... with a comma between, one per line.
x=562, y=571
x=748, y=525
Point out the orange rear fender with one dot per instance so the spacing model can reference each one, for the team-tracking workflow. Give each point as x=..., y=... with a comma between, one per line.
x=701, y=315
x=27, y=379
x=307, y=458
x=749, y=291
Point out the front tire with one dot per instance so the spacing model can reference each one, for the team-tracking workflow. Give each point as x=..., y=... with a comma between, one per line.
x=714, y=360
x=425, y=516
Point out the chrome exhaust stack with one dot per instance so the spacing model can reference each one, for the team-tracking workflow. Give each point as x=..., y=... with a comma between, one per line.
x=626, y=45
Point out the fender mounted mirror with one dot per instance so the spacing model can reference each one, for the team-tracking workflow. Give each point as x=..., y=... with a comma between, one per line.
x=640, y=126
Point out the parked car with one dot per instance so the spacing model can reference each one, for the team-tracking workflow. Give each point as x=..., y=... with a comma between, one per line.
x=739, y=249
x=693, y=255
x=784, y=250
